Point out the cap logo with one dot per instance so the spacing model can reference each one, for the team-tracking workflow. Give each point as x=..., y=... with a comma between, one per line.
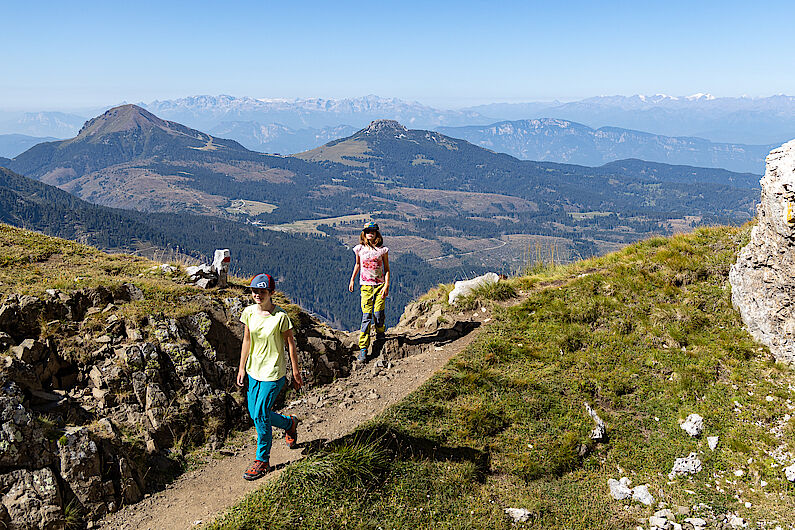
x=263, y=281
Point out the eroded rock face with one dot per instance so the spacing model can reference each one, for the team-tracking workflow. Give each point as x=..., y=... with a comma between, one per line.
x=30, y=499
x=763, y=278
x=81, y=469
x=23, y=442
x=96, y=405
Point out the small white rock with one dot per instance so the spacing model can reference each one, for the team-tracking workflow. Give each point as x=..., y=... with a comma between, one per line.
x=618, y=490
x=693, y=425
x=697, y=522
x=519, y=515
x=735, y=521
x=790, y=473
x=659, y=522
x=685, y=466
x=642, y=495
x=712, y=441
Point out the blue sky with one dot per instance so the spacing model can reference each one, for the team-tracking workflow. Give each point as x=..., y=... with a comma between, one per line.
x=59, y=55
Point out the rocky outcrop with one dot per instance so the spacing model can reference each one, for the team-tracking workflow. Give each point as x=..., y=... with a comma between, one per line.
x=424, y=325
x=763, y=278
x=30, y=499
x=97, y=405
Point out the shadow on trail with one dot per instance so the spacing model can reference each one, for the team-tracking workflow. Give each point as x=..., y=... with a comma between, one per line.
x=399, y=346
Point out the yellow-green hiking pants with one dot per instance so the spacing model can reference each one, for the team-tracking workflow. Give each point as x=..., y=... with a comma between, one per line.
x=372, y=313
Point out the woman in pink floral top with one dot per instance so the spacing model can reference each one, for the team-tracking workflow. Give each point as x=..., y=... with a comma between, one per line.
x=372, y=264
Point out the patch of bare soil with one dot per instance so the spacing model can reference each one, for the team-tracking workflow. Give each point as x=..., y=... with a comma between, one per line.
x=326, y=413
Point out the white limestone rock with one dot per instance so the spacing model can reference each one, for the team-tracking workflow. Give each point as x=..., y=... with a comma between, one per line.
x=697, y=522
x=519, y=515
x=790, y=473
x=685, y=466
x=642, y=495
x=712, y=441
x=735, y=521
x=618, y=490
x=660, y=522
x=763, y=278
x=464, y=287
x=599, y=433
x=693, y=425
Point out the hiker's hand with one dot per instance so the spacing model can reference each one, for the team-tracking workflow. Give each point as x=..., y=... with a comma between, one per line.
x=385, y=292
x=350, y=285
x=298, y=382
x=241, y=376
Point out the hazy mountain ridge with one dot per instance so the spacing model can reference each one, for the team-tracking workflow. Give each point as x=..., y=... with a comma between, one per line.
x=41, y=123
x=206, y=112
x=745, y=120
x=556, y=140
x=107, y=145
x=278, y=138
x=13, y=144
x=755, y=121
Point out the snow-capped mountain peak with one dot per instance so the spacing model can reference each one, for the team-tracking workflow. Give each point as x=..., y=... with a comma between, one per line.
x=700, y=97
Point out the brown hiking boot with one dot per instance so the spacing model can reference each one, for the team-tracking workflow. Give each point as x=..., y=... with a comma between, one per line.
x=257, y=470
x=291, y=434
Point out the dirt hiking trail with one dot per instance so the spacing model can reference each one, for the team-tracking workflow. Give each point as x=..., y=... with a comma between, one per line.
x=326, y=413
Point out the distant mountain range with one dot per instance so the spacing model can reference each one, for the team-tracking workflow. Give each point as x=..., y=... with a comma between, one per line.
x=47, y=124
x=14, y=144
x=128, y=157
x=755, y=121
x=276, y=138
x=557, y=140
x=117, y=160
x=206, y=112
x=291, y=125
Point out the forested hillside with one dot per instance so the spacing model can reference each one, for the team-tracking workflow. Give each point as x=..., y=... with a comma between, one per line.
x=311, y=270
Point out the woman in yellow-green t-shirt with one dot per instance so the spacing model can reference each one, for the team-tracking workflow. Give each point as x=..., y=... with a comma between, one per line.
x=262, y=359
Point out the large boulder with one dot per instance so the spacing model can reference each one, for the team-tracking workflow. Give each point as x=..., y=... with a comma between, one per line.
x=763, y=278
x=19, y=316
x=23, y=441
x=30, y=499
x=81, y=469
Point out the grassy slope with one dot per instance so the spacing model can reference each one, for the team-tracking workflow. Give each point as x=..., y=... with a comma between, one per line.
x=31, y=263
x=648, y=337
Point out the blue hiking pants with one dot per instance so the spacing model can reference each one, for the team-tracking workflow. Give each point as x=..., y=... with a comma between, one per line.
x=261, y=398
